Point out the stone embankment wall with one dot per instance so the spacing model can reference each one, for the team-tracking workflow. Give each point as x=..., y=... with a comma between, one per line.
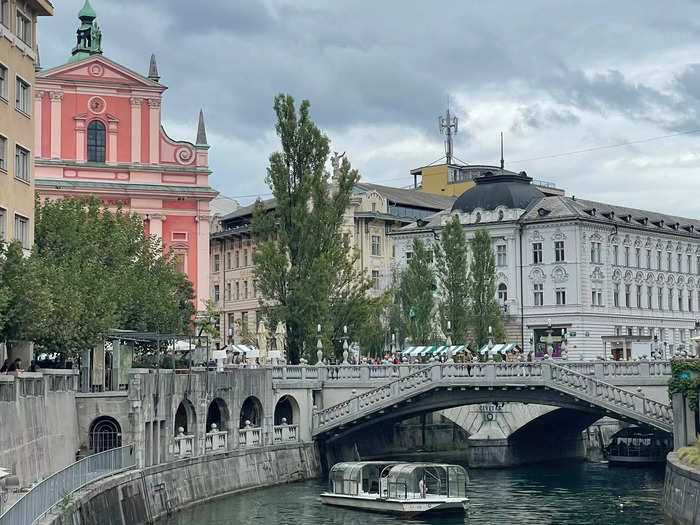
x=38, y=423
x=681, y=498
x=144, y=496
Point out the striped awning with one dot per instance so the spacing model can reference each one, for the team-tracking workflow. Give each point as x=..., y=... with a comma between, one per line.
x=418, y=351
x=503, y=348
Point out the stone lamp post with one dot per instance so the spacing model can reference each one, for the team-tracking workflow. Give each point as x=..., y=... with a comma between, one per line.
x=319, y=347
x=489, y=346
x=448, y=341
x=550, y=340
x=345, y=345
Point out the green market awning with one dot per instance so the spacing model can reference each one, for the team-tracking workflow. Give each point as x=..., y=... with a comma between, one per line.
x=421, y=351
x=503, y=348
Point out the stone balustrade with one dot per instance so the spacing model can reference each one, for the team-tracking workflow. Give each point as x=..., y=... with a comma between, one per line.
x=36, y=384
x=184, y=445
x=343, y=375
x=215, y=440
x=285, y=433
x=250, y=437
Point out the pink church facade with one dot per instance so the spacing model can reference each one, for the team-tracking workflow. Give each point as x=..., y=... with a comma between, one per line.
x=99, y=132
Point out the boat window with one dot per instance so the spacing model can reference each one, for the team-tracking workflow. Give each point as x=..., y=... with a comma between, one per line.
x=457, y=482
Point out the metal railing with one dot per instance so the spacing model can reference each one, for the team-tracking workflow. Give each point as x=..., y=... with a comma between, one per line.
x=49, y=492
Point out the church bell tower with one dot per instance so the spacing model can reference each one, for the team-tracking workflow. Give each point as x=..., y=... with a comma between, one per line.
x=89, y=35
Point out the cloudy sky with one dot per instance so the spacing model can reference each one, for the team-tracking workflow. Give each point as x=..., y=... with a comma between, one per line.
x=555, y=76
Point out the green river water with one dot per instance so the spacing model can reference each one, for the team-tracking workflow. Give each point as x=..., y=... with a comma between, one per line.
x=557, y=493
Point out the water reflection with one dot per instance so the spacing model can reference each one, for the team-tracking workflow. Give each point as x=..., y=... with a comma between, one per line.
x=573, y=493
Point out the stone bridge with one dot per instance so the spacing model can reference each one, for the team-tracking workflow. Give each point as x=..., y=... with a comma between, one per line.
x=634, y=392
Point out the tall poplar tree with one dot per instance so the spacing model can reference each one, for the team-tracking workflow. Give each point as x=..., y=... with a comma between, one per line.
x=481, y=285
x=415, y=295
x=451, y=269
x=303, y=269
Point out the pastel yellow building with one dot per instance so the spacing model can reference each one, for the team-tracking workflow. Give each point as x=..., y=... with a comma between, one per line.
x=18, y=60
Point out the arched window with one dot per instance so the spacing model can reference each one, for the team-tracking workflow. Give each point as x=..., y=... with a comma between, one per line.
x=502, y=293
x=105, y=434
x=96, y=141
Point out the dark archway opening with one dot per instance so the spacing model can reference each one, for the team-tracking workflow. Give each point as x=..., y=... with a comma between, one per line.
x=185, y=418
x=286, y=408
x=217, y=414
x=105, y=434
x=251, y=411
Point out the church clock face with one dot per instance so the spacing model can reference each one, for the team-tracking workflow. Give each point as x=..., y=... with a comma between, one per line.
x=96, y=105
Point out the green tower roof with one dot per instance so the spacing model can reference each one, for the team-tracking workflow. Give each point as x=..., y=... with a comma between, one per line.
x=87, y=11
x=89, y=35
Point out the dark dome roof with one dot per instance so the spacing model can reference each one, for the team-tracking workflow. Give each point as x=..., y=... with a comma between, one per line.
x=498, y=188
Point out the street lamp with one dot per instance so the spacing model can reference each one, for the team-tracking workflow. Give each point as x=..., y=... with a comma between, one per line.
x=230, y=335
x=393, y=344
x=345, y=345
x=564, y=340
x=319, y=347
x=489, y=346
x=550, y=339
x=448, y=341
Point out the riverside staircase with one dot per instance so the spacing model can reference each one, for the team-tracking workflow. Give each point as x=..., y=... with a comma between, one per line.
x=576, y=383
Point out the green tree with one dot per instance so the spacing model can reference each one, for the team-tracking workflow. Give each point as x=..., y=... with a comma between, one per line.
x=303, y=267
x=415, y=295
x=481, y=285
x=101, y=271
x=451, y=269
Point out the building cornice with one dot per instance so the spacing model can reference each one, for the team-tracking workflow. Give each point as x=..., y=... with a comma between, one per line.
x=93, y=166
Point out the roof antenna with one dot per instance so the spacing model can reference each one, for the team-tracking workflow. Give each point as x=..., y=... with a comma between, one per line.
x=502, y=163
x=448, y=126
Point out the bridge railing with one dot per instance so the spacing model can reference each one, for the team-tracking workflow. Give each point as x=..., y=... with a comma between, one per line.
x=285, y=433
x=250, y=437
x=46, y=494
x=349, y=374
x=582, y=380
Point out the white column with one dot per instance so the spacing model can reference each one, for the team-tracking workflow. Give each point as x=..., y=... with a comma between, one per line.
x=153, y=128
x=135, y=129
x=157, y=226
x=56, y=99
x=79, y=140
x=38, y=98
x=112, y=132
x=203, y=261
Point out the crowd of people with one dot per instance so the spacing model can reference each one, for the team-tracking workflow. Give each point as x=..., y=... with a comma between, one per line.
x=16, y=366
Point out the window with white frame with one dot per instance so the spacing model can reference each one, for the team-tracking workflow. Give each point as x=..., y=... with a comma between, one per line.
x=3, y=224
x=627, y=255
x=669, y=266
x=24, y=28
x=670, y=299
x=648, y=259
x=238, y=291
x=216, y=293
x=690, y=300
x=245, y=289
x=3, y=153
x=536, y=253
x=679, y=261
x=560, y=295
x=375, y=279
x=22, y=230
x=21, y=163
x=616, y=255
x=23, y=96
x=501, y=255
x=376, y=245
x=680, y=300
x=638, y=256
x=616, y=295
x=502, y=293
x=3, y=82
x=5, y=12
x=559, y=251
x=689, y=260
x=660, y=297
x=627, y=295
x=597, y=297
x=217, y=259
x=658, y=260
x=539, y=294
x=649, y=297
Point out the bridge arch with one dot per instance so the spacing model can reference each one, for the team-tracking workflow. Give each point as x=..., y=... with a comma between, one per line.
x=251, y=410
x=217, y=414
x=288, y=408
x=105, y=433
x=185, y=418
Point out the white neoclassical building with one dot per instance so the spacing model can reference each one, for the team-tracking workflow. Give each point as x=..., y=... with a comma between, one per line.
x=593, y=269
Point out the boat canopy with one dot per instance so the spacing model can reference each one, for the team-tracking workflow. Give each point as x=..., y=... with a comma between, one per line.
x=356, y=477
x=404, y=480
x=418, y=351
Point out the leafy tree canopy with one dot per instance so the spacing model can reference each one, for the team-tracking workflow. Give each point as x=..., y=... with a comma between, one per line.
x=91, y=269
x=415, y=296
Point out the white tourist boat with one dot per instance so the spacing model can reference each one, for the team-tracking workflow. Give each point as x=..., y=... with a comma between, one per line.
x=406, y=489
